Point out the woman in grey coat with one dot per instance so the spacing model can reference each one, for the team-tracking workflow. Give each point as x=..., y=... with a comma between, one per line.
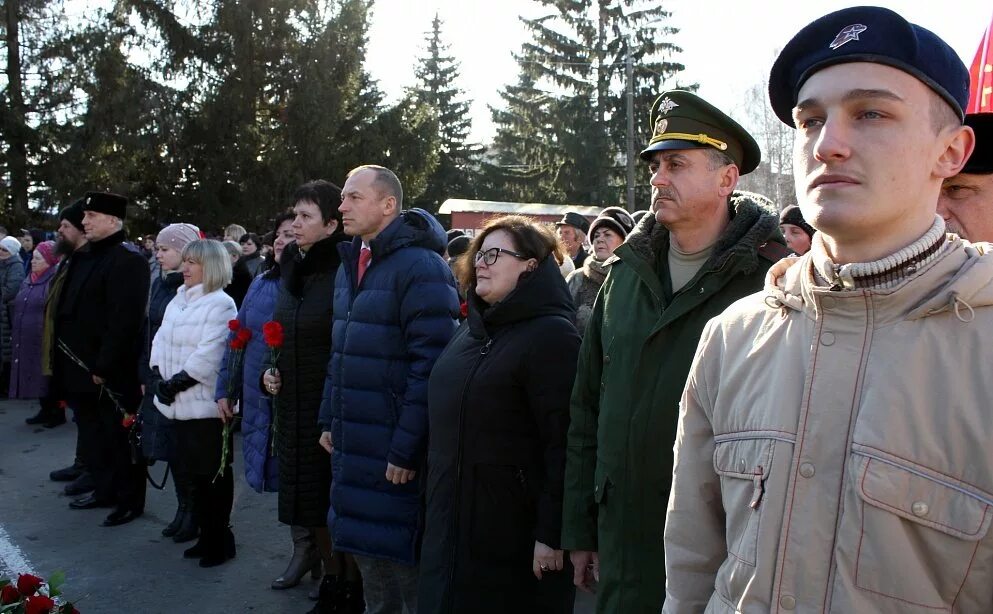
x=11, y=276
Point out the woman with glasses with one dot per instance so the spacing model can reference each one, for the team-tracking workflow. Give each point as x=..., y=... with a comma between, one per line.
x=498, y=402
x=606, y=234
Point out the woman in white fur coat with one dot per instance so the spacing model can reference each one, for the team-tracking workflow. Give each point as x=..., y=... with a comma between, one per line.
x=185, y=359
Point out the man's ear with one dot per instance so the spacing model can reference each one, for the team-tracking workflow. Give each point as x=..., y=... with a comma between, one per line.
x=959, y=145
x=729, y=180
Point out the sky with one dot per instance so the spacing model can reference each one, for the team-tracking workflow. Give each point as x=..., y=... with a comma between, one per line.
x=728, y=45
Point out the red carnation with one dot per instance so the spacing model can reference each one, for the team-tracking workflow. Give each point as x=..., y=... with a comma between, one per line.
x=464, y=310
x=38, y=604
x=237, y=344
x=234, y=325
x=9, y=594
x=127, y=421
x=244, y=335
x=272, y=332
x=28, y=584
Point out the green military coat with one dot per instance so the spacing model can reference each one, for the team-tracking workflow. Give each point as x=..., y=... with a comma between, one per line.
x=633, y=364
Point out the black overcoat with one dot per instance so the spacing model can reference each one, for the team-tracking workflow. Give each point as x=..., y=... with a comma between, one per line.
x=498, y=400
x=99, y=320
x=303, y=307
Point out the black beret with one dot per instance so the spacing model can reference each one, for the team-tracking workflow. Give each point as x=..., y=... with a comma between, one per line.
x=867, y=34
x=793, y=215
x=683, y=120
x=571, y=218
x=105, y=202
x=981, y=160
x=637, y=215
x=73, y=214
x=619, y=220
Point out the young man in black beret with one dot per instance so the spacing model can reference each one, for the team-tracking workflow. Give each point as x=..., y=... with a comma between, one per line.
x=966, y=201
x=97, y=330
x=834, y=452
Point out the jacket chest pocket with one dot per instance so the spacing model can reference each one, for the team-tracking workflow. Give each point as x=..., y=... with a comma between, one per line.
x=744, y=466
x=919, y=534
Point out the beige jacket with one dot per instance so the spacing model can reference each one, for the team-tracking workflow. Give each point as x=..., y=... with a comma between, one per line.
x=835, y=449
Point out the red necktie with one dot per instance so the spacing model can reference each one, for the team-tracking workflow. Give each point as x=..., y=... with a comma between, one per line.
x=365, y=256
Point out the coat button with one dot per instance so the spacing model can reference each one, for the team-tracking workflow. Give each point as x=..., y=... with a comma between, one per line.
x=807, y=470
x=919, y=508
x=741, y=466
x=606, y=359
x=788, y=602
x=827, y=338
x=829, y=302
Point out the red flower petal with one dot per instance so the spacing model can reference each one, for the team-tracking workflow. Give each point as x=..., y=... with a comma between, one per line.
x=234, y=325
x=38, y=604
x=28, y=584
x=9, y=594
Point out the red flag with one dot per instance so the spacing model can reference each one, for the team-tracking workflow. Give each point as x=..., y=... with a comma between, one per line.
x=981, y=77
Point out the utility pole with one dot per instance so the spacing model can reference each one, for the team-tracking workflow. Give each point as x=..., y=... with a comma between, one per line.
x=629, y=72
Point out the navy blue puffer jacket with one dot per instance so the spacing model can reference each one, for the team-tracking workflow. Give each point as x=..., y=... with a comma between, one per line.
x=261, y=469
x=387, y=334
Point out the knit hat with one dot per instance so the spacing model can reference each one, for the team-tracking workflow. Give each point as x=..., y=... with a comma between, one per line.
x=73, y=214
x=458, y=246
x=11, y=244
x=47, y=251
x=792, y=215
x=177, y=236
x=615, y=218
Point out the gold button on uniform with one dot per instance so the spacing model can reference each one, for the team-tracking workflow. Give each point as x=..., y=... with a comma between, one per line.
x=807, y=470
x=827, y=338
x=788, y=602
x=829, y=302
x=919, y=508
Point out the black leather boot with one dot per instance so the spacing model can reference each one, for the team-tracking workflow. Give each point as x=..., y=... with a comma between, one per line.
x=189, y=527
x=219, y=548
x=305, y=558
x=182, y=506
x=329, y=600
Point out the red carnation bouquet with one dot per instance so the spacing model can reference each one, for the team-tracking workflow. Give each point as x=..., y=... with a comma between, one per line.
x=237, y=342
x=33, y=595
x=272, y=334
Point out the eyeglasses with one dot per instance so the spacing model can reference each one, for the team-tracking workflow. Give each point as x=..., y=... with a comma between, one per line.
x=489, y=257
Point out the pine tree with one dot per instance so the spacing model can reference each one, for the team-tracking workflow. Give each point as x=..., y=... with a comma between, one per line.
x=436, y=73
x=578, y=54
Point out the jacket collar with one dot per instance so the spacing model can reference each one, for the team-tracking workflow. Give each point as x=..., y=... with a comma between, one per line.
x=958, y=280
x=108, y=242
x=188, y=295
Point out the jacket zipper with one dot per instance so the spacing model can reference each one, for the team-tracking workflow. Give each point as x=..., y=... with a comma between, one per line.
x=458, y=470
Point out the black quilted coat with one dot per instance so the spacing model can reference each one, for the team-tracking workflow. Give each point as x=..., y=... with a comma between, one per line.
x=303, y=307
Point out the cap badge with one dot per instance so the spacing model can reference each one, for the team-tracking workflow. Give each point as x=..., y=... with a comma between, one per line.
x=667, y=105
x=847, y=35
x=661, y=125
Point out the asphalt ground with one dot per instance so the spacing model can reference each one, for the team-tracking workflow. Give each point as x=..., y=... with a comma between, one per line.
x=132, y=568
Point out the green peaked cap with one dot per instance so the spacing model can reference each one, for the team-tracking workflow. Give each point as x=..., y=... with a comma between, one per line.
x=683, y=120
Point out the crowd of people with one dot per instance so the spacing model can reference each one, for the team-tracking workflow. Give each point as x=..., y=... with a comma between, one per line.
x=485, y=422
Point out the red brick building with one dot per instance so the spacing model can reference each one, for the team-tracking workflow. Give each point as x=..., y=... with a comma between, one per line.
x=470, y=215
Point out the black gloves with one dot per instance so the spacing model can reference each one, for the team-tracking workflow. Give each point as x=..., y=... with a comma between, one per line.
x=166, y=390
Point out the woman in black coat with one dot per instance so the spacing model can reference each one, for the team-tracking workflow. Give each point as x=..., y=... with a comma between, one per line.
x=303, y=308
x=499, y=411
x=158, y=432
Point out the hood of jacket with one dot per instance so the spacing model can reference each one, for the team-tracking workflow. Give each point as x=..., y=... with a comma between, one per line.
x=958, y=281
x=542, y=293
x=754, y=221
x=412, y=228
